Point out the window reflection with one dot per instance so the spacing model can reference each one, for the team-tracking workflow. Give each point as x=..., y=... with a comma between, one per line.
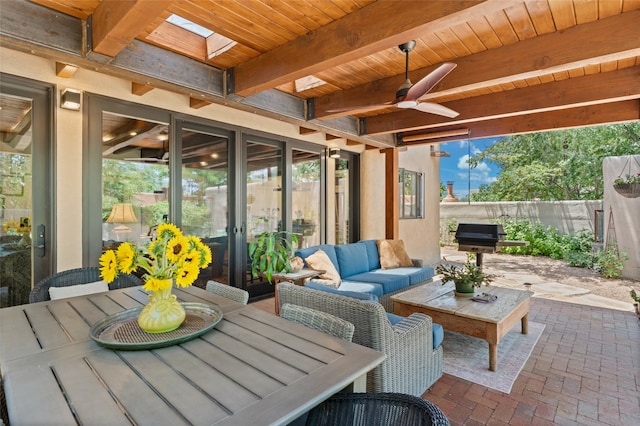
x=305, y=196
x=135, y=178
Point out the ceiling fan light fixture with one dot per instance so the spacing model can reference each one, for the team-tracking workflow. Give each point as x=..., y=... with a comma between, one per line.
x=407, y=104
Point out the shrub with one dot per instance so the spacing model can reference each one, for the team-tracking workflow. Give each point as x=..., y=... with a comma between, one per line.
x=610, y=262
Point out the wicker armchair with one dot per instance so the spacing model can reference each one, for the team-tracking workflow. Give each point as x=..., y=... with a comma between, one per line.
x=234, y=293
x=40, y=291
x=318, y=320
x=412, y=365
x=376, y=409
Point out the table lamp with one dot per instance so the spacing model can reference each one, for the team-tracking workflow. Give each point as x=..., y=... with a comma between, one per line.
x=122, y=213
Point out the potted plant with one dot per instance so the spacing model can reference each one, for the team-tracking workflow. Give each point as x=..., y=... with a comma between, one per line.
x=629, y=186
x=636, y=304
x=271, y=253
x=466, y=278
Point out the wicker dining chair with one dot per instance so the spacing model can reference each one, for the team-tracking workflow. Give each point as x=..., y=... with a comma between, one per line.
x=234, y=293
x=318, y=320
x=376, y=409
x=77, y=276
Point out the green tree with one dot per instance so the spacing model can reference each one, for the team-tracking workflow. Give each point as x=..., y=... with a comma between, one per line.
x=551, y=166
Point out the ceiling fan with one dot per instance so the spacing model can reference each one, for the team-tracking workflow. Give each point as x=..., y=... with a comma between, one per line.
x=408, y=94
x=163, y=157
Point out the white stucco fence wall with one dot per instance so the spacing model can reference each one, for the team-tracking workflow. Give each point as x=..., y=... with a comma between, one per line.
x=566, y=216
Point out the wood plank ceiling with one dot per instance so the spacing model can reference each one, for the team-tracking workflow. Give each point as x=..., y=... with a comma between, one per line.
x=522, y=65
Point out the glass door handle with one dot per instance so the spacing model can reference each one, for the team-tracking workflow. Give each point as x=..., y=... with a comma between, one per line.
x=40, y=241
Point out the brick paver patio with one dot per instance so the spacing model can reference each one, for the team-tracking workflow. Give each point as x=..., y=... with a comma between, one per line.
x=584, y=370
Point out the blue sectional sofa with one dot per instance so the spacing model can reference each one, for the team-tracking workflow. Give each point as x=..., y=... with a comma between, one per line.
x=362, y=275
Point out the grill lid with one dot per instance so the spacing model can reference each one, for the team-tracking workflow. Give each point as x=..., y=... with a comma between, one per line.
x=479, y=233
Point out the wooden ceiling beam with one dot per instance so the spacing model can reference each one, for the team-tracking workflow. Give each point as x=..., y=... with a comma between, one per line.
x=65, y=70
x=592, y=89
x=354, y=36
x=115, y=24
x=140, y=89
x=197, y=103
x=572, y=48
x=591, y=115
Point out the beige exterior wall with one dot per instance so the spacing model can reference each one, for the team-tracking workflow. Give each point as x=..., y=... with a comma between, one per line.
x=421, y=235
x=68, y=165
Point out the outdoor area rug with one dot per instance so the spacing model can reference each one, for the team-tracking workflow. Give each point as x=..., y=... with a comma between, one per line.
x=467, y=357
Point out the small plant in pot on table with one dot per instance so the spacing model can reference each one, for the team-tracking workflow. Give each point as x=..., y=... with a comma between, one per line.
x=466, y=278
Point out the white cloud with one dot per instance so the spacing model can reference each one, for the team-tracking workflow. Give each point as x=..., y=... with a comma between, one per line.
x=481, y=173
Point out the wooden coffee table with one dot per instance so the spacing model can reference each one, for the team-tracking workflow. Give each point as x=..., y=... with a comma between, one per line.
x=488, y=321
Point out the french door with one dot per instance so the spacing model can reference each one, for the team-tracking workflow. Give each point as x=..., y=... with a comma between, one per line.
x=262, y=182
x=26, y=235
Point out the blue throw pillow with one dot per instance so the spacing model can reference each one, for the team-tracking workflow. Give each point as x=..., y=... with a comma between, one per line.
x=352, y=259
x=372, y=254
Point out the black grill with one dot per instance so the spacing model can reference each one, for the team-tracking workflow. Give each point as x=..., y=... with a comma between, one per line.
x=479, y=237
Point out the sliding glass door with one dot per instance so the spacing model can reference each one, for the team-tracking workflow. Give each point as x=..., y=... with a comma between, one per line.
x=204, y=206
x=263, y=192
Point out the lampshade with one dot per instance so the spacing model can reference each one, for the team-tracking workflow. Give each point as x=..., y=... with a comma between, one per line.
x=122, y=213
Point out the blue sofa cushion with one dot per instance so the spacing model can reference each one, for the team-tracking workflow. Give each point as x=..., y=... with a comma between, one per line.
x=416, y=275
x=369, y=287
x=354, y=294
x=389, y=282
x=438, y=334
x=372, y=254
x=352, y=258
x=327, y=248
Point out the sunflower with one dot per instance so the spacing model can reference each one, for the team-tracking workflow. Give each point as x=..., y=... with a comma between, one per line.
x=176, y=248
x=108, y=266
x=171, y=257
x=186, y=275
x=126, y=258
x=156, y=284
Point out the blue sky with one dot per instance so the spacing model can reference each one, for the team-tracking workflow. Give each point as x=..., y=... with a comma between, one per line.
x=456, y=169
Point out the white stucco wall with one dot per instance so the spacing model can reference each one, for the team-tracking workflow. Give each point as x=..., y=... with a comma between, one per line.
x=566, y=216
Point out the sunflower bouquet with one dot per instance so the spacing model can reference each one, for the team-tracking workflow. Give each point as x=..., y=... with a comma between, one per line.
x=172, y=257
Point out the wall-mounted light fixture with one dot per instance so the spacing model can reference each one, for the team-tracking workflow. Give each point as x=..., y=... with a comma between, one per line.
x=436, y=135
x=435, y=153
x=70, y=99
x=334, y=152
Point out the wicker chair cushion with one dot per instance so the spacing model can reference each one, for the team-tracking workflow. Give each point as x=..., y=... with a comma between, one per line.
x=354, y=294
x=436, y=329
x=78, y=290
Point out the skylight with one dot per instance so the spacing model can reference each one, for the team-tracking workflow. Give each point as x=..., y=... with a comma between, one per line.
x=189, y=26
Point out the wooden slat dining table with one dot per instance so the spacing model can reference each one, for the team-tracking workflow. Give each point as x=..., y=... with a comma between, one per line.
x=253, y=368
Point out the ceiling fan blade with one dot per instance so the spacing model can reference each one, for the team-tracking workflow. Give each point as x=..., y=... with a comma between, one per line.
x=429, y=81
x=438, y=109
x=362, y=107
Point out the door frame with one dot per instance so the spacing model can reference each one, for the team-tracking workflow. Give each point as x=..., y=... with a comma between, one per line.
x=43, y=161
